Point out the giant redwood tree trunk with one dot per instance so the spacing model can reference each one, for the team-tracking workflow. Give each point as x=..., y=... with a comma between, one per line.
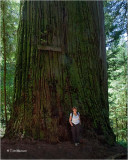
x=61, y=63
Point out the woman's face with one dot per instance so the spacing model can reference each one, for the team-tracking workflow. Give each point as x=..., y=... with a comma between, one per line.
x=74, y=110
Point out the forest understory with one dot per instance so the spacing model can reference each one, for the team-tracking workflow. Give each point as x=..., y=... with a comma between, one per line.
x=35, y=149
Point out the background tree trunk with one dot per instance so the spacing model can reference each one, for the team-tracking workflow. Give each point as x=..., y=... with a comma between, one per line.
x=61, y=62
x=3, y=7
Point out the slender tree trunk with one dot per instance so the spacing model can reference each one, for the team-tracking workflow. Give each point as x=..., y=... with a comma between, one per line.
x=125, y=58
x=61, y=62
x=3, y=3
x=117, y=136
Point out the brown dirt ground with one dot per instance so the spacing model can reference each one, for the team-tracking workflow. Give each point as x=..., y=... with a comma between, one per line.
x=88, y=149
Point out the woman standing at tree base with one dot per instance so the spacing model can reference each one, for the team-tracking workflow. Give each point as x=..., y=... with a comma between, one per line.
x=75, y=123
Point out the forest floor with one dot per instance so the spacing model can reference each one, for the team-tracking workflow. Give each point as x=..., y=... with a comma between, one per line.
x=88, y=149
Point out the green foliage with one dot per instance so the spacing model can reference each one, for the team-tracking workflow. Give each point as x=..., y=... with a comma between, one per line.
x=115, y=27
x=115, y=21
x=11, y=25
x=123, y=143
x=11, y=21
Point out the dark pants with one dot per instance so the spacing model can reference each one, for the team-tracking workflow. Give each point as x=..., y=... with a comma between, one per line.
x=76, y=133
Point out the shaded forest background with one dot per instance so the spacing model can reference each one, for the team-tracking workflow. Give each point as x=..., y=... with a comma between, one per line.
x=116, y=33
